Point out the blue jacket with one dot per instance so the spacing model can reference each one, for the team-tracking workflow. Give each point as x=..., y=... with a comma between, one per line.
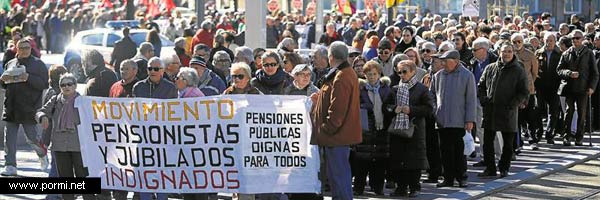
x=455, y=97
x=210, y=84
x=163, y=90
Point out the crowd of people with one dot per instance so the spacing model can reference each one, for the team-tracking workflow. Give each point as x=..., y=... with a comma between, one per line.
x=390, y=100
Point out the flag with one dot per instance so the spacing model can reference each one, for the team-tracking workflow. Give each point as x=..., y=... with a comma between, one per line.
x=169, y=5
x=346, y=6
x=392, y=3
x=153, y=9
x=107, y=4
x=5, y=5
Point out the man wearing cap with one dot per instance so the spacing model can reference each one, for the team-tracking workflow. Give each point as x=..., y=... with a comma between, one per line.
x=456, y=99
x=210, y=83
x=503, y=87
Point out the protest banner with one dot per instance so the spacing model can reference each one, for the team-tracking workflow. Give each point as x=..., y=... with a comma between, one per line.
x=235, y=143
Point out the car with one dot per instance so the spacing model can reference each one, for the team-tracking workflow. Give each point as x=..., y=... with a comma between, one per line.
x=103, y=40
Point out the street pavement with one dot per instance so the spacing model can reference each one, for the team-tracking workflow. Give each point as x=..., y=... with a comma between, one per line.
x=530, y=165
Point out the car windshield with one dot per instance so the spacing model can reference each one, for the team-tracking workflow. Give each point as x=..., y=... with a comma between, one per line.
x=140, y=37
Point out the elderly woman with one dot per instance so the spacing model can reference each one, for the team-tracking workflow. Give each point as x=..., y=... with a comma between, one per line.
x=290, y=60
x=271, y=79
x=302, y=84
x=65, y=142
x=240, y=84
x=187, y=83
x=221, y=63
x=408, y=155
x=371, y=156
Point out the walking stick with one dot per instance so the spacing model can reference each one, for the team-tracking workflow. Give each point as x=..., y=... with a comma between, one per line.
x=590, y=117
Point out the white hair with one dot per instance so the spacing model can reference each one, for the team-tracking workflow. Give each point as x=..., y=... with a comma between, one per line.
x=481, y=42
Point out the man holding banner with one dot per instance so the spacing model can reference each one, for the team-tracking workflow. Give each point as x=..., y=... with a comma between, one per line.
x=336, y=122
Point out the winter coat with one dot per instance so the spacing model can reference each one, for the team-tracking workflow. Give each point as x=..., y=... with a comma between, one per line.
x=531, y=65
x=147, y=89
x=401, y=46
x=376, y=143
x=100, y=80
x=24, y=99
x=327, y=40
x=124, y=49
x=336, y=116
x=548, y=80
x=248, y=90
x=582, y=62
x=455, y=96
x=118, y=89
x=62, y=140
x=502, y=88
x=306, y=91
x=202, y=37
x=410, y=153
x=184, y=58
x=211, y=84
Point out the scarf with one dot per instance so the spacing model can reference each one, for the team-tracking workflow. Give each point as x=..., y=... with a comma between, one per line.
x=373, y=91
x=67, y=114
x=402, y=97
x=272, y=80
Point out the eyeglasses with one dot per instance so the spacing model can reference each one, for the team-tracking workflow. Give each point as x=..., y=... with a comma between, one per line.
x=66, y=85
x=270, y=64
x=179, y=78
x=577, y=38
x=402, y=72
x=305, y=75
x=237, y=76
x=154, y=69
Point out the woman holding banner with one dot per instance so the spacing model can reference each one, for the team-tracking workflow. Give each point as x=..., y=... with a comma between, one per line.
x=407, y=153
x=186, y=82
x=240, y=80
x=271, y=79
x=65, y=141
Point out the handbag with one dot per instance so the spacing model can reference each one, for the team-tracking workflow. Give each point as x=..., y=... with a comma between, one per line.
x=403, y=133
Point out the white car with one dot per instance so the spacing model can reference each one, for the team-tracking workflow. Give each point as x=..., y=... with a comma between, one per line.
x=103, y=40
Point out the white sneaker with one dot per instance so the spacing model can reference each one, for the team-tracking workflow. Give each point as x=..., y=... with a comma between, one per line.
x=534, y=146
x=9, y=171
x=44, y=163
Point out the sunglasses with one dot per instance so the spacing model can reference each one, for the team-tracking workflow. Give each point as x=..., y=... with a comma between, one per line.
x=270, y=64
x=179, y=78
x=384, y=52
x=67, y=85
x=402, y=72
x=237, y=76
x=154, y=69
x=305, y=75
x=426, y=51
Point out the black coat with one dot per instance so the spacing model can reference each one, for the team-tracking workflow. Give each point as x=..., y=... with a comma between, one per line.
x=375, y=143
x=408, y=154
x=100, y=80
x=142, y=68
x=24, y=99
x=548, y=80
x=581, y=61
x=124, y=49
x=502, y=88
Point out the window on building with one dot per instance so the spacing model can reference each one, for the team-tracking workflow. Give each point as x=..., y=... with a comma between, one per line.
x=530, y=5
x=450, y=6
x=573, y=6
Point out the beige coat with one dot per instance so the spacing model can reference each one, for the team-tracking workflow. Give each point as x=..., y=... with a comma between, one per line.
x=531, y=65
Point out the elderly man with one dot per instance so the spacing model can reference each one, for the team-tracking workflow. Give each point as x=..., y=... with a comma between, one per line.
x=23, y=98
x=245, y=54
x=427, y=50
x=202, y=50
x=336, y=121
x=503, y=87
x=155, y=86
x=172, y=63
x=579, y=74
x=180, y=51
x=385, y=53
x=210, y=83
x=320, y=65
x=527, y=112
x=145, y=52
x=221, y=63
x=455, y=115
x=546, y=87
x=100, y=78
x=124, y=87
x=482, y=56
